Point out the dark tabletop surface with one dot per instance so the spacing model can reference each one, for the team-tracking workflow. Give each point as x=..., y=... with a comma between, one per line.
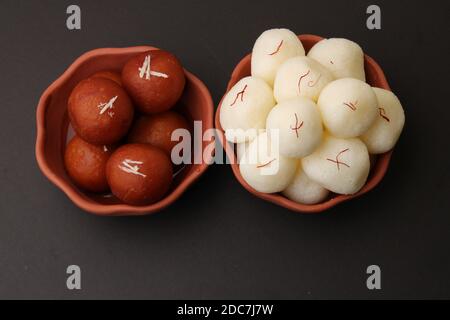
x=219, y=241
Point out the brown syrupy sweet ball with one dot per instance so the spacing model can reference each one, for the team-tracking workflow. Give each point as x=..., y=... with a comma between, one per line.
x=157, y=130
x=155, y=80
x=100, y=111
x=108, y=74
x=86, y=164
x=139, y=174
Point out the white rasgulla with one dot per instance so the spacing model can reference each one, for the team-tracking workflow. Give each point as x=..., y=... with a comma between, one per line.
x=263, y=168
x=384, y=133
x=343, y=57
x=299, y=126
x=339, y=165
x=348, y=106
x=271, y=49
x=304, y=190
x=300, y=76
x=245, y=108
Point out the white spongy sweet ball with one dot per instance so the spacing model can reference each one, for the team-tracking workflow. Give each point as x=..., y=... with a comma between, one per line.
x=299, y=126
x=385, y=131
x=304, y=190
x=348, y=106
x=339, y=165
x=300, y=76
x=245, y=108
x=344, y=58
x=271, y=49
x=263, y=168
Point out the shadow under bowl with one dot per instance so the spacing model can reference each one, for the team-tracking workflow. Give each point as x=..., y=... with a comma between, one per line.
x=374, y=76
x=53, y=126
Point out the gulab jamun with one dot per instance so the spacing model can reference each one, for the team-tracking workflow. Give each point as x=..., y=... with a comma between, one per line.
x=100, y=111
x=139, y=174
x=155, y=80
x=111, y=75
x=157, y=130
x=86, y=164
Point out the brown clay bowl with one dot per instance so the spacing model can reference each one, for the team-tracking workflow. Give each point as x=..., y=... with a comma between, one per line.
x=53, y=127
x=374, y=76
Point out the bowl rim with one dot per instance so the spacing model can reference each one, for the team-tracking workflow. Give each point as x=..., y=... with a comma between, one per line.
x=375, y=176
x=68, y=189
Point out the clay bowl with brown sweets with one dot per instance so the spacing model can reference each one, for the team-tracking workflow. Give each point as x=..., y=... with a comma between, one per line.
x=53, y=131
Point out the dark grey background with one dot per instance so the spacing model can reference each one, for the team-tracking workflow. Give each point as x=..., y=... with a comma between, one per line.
x=218, y=241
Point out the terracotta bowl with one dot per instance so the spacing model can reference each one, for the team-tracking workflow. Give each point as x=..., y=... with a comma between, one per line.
x=374, y=76
x=53, y=127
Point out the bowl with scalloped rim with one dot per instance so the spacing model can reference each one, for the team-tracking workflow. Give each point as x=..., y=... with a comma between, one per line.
x=374, y=76
x=53, y=127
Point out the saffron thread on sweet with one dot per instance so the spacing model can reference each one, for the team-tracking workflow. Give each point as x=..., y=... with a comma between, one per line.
x=266, y=164
x=297, y=126
x=300, y=80
x=278, y=49
x=383, y=114
x=351, y=105
x=240, y=95
x=339, y=162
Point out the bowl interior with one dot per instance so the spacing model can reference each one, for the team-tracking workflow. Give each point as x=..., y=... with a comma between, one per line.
x=54, y=130
x=374, y=76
